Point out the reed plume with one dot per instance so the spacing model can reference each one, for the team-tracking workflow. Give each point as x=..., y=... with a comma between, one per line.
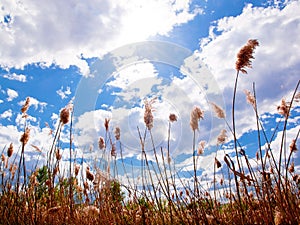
x=219, y=112
x=250, y=98
x=25, y=136
x=196, y=115
x=201, y=146
x=245, y=56
x=10, y=150
x=148, y=116
x=172, y=117
x=25, y=106
x=117, y=133
x=101, y=143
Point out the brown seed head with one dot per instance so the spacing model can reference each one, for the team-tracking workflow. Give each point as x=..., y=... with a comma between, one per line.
x=58, y=155
x=217, y=162
x=77, y=168
x=196, y=115
x=25, y=106
x=283, y=108
x=25, y=136
x=148, y=116
x=101, y=143
x=113, y=151
x=64, y=115
x=106, y=123
x=172, y=117
x=12, y=170
x=297, y=97
x=257, y=156
x=218, y=111
x=3, y=157
x=201, y=147
x=222, y=137
x=89, y=175
x=292, y=168
x=250, y=98
x=293, y=146
x=117, y=133
x=245, y=56
x=10, y=150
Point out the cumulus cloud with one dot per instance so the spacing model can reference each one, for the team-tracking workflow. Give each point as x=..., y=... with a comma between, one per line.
x=43, y=33
x=6, y=114
x=12, y=94
x=17, y=77
x=276, y=64
x=64, y=93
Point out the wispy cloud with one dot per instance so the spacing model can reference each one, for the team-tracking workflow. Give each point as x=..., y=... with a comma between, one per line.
x=6, y=114
x=14, y=76
x=12, y=94
x=64, y=93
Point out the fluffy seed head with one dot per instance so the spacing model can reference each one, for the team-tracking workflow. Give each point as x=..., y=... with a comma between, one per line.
x=58, y=155
x=101, y=143
x=148, y=116
x=113, y=151
x=250, y=98
x=222, y=137
x=64, y=116
x=89, y=175
x=245, y=56
x=77, y=168
x=219, y=112
x=283, y=108
x=25, y=136
x=12, y=170
x=196, y=115
x=293, y=146
x=117, y=133
x=201, y=146
x=25, y=106
x=106, y=123
x=172, y=117
x=10, y=150
x=292, y=167
x=297, y=97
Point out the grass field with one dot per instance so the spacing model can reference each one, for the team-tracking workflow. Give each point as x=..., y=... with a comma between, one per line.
x=266, y=194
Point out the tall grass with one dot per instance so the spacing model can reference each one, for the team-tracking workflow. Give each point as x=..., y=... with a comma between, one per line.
x=267, y=193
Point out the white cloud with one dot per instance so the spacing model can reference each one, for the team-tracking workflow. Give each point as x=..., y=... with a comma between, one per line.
x=132, y=74
x=6, y=114
x=64, y=93
x=12, y=94
x=277, y=60
x=86, y=29
x=14, y=76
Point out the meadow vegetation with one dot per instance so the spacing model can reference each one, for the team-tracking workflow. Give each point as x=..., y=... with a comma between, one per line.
x=265, y=194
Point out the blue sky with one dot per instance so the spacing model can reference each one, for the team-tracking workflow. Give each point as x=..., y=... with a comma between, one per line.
x=109, y=55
